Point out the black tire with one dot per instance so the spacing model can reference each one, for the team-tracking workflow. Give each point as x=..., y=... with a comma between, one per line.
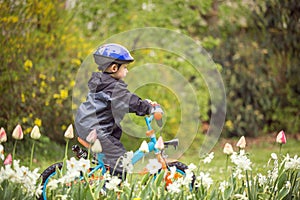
x=182, y=167
x=47, y=173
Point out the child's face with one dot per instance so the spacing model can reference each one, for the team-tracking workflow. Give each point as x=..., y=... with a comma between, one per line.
x=122, y=72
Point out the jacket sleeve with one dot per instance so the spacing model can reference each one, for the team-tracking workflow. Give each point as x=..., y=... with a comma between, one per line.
x=123, y=101
x=139, y=106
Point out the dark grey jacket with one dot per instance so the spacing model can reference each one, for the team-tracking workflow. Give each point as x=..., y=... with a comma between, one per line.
x=107, y=102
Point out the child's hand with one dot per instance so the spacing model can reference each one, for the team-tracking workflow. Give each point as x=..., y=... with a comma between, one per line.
x=153, y=103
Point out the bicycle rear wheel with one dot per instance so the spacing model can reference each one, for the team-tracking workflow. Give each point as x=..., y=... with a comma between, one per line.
x=46, y=176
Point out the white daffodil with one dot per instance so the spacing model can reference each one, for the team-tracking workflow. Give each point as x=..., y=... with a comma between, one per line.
x=153, y=166
x=292, y=163
x=172, y=172
x=192, y=167
x=223, y=186
x=209, y=158
x=204, y=179
x=241, y=160
x=174, y=187
x=83, y=164
x=127, y=161
x=113, y=183
x=274, y=156
x=262, y=180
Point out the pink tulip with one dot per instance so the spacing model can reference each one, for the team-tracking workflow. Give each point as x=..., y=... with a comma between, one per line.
x=281, y=139
x=92, y=136
x=8, y=160
x=18, y=133
x=160, y=144
x=228, y=149
x=241, y=143
x=3, y=137
x=1, y=152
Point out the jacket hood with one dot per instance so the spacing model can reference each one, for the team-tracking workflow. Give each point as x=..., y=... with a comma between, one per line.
x=99, y=81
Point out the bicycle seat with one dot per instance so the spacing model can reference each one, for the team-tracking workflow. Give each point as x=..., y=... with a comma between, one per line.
x=174, y=142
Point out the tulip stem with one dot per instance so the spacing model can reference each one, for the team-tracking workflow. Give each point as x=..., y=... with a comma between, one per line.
x=226, y=167
x=13, y=154
x=66, y=150
x=280, y=146
x=89, y=153
x=31, y=156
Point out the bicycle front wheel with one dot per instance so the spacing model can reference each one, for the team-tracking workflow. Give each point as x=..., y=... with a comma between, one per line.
x=46, y=176
x=180, y=172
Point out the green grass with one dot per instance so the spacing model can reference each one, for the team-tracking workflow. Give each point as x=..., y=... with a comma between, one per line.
x=259, y=151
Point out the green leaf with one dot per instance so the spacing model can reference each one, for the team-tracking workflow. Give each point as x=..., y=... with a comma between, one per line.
x=282, y=193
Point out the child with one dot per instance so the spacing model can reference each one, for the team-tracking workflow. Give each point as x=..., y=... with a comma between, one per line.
x=108, y=100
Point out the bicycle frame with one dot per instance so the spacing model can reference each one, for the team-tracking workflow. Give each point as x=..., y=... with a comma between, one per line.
x=138, y=155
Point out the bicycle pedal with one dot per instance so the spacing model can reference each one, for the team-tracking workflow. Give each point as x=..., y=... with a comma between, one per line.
x=80, y=153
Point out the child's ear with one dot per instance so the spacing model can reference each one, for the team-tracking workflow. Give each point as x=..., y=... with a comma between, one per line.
x=114, y=68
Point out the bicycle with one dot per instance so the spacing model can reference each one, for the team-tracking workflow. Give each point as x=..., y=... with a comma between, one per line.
x=137, y=156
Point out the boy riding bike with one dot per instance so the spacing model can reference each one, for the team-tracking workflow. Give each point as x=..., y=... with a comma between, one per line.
x=108, y=100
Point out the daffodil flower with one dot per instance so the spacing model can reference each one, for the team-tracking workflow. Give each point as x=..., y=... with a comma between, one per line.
x=153, y=166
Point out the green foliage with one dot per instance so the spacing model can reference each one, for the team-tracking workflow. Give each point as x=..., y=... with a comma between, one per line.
x=255, y=45
x=260, y=67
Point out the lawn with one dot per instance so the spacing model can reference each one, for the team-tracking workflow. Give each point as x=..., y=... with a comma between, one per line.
x=259, y=150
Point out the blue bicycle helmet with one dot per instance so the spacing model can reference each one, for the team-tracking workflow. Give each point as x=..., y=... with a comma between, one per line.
x=107, y=54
